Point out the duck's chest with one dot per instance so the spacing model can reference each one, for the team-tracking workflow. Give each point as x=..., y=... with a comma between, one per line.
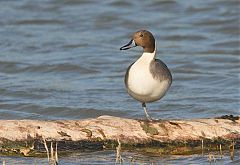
x=140, y=80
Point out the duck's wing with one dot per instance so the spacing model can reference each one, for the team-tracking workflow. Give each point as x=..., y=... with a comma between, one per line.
x=160, y=71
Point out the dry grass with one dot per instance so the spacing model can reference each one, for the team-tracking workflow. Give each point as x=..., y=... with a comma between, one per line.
x=118, y=154
x=53, y=160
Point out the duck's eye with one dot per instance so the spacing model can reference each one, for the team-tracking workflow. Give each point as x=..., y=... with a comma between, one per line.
x=141, y=35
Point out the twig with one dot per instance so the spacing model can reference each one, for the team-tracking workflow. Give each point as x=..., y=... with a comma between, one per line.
x=118, y=154
x=46, y=148
x=220, y=148
x=232, y=150
x=56, y=154
x=51, y=147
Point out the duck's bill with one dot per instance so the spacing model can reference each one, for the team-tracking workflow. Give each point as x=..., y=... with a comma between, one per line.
x=131, y=44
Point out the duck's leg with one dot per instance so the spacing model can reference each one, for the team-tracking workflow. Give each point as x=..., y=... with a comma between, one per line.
x=145, y=110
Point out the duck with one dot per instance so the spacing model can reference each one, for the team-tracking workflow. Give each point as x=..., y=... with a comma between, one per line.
x=147, y=79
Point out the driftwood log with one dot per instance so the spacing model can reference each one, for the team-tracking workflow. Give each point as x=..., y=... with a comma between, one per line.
x=26, y=137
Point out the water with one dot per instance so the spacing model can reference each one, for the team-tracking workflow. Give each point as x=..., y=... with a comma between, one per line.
x=108, y=158
x=60, y=59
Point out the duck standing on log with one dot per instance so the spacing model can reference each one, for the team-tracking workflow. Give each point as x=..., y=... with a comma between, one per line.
x=147, y=79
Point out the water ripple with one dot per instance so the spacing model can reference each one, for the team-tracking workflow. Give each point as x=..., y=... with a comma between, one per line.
x=14, y=67
x=40, y=22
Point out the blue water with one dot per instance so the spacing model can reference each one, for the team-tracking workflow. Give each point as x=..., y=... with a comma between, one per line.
x=108, y=158
x=60, y=59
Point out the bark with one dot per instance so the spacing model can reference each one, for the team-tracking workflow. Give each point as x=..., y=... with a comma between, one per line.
x=161, y=136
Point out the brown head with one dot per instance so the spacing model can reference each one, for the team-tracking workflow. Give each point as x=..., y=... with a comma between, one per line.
x=141, y=38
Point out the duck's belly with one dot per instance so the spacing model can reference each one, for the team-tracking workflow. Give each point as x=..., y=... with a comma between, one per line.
x=143, y=87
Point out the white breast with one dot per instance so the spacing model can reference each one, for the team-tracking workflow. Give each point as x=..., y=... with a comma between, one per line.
x=141, y=84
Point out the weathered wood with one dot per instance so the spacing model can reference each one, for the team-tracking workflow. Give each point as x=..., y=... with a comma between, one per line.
x=163, y=136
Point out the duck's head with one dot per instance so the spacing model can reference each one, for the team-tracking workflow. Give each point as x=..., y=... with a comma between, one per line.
x=141, y=38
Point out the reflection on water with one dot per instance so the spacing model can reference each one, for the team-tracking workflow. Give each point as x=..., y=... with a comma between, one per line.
x=60, y=59
x=108, y=158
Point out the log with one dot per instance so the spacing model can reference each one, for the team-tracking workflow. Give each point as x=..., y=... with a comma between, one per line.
x=26, y=137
